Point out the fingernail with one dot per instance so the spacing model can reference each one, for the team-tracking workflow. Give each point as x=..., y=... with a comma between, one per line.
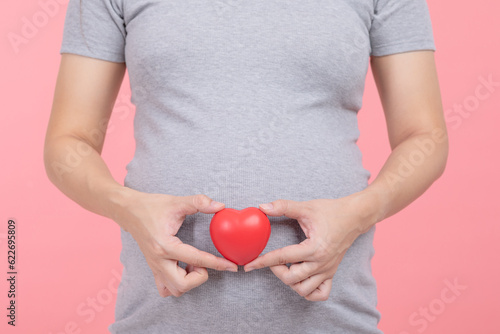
x=267, y=206
x=249, y=269
x=233, y=269
x=215, y=204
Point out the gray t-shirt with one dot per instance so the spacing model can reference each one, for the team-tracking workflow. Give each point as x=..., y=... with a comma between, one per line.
x=246, y=102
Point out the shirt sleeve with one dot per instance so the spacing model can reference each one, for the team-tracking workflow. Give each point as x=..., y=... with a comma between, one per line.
x=400, y=26
x=94, y=28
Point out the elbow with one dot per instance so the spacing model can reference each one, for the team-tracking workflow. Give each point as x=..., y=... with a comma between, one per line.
x=432, y=146
x=53, y=158
x=47, y=159
x=440, y=137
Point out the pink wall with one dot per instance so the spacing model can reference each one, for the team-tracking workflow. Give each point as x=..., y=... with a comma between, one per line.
x=68, y=256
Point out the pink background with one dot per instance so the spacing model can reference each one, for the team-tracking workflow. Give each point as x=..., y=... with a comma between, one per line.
x=67, y=256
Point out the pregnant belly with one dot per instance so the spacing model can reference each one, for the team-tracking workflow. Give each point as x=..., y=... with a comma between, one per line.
x=244, y=182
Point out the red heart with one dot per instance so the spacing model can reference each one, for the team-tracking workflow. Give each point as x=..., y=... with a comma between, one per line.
x=240, y=235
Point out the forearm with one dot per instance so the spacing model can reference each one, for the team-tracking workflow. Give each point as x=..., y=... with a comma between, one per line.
x=409, y=171
x=78, y=170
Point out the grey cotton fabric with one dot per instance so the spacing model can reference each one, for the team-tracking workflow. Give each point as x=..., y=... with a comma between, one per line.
x=246, y=102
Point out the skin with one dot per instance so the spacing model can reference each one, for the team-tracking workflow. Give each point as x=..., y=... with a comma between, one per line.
x=85, y=93
x=409, y=91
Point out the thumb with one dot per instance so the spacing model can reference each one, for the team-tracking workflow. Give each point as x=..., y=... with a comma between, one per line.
x=284, y=207
x=199, y=203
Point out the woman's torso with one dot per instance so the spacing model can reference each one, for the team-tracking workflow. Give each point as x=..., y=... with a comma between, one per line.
x=247, y=102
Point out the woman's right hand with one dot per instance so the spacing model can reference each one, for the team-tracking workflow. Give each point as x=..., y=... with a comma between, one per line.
x=153, y=221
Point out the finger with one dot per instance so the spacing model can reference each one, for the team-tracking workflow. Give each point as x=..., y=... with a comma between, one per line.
x=166, y=277
x=180, y=281
x=288, y=208
x=189, y=205
x=191, y=255
x=162, y=289
x=309, y=285
x=322, y=292
x=288, y=254
x=191, y=268
x=296, y=273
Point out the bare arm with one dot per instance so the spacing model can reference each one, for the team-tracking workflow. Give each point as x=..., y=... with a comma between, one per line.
x=409, y=91
x=85, y=93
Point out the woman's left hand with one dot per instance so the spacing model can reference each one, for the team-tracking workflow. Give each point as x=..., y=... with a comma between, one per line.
x=331, y=226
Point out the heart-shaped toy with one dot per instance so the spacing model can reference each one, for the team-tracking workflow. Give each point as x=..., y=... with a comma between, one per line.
x=240, y=235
